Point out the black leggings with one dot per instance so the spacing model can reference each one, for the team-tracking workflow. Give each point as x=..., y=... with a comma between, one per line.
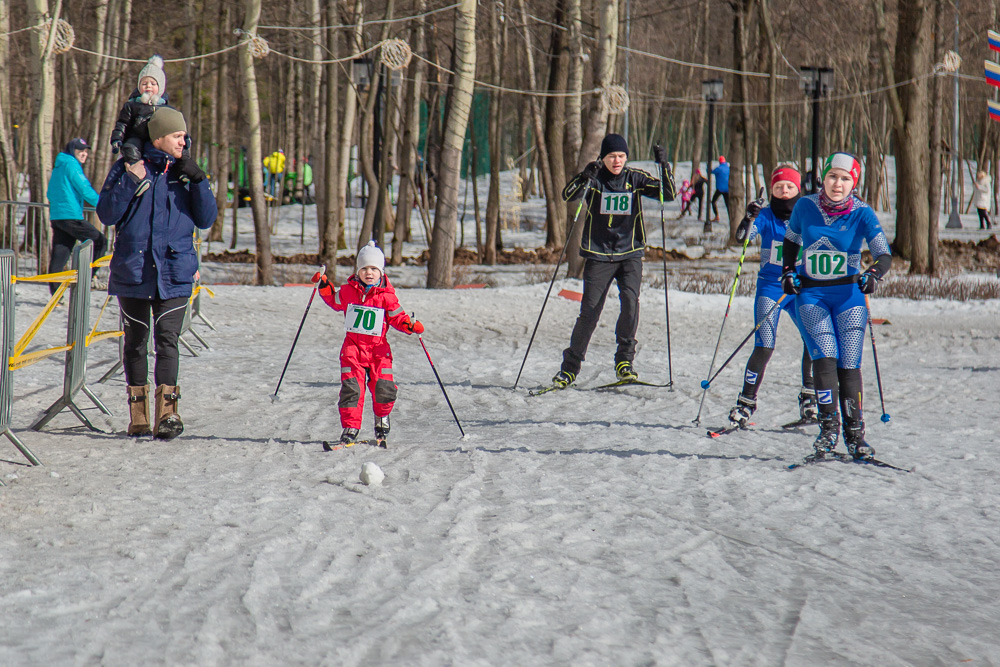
x=65, y=234
x=984, y=218
x=168, y=317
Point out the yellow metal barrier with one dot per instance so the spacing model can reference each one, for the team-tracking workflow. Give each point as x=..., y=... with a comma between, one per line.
x=16, y=360
x=96, y=335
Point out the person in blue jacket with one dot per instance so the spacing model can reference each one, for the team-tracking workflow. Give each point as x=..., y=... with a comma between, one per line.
x=154, y=261
x=770, y=225
x=721, y=174
x=67, y=191
x=831, y=288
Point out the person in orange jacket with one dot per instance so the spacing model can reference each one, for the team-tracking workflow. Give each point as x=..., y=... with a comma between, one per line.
x=371, y=307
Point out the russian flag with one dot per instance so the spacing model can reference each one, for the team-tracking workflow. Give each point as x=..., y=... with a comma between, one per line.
x=993, y=38
x=994, y=108
x=992, y=73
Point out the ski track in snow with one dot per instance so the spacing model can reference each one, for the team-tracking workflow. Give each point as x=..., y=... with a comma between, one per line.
x=577, y=527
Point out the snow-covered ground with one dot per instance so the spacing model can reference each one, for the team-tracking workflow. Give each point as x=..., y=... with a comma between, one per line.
x=575, y=528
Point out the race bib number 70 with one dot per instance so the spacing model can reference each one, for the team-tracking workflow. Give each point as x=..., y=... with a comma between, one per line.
x=616, y=203
x=825, y=264
x=364, y=320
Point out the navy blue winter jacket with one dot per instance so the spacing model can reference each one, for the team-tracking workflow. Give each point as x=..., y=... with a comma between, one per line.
x=154, y=246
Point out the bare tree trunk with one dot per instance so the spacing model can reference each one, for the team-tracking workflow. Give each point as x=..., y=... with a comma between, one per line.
x=8, y=166
x=264, y=275
x=350, y=110
x=597, y=122
x=699, y=117
x=555, y=236
x=937, y=104
x=439, y=268
x=497, y=47
x=411, y=135
x=769, y=148
x=221, y=107
x=914, y=44
x=330, y=207
x=738, y=123
x=43, y=89
x=573, y=139
x=555, y=125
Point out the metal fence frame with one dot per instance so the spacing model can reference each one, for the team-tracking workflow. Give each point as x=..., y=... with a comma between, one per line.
x=15, y=215
x=74, y=379
x=6, y=348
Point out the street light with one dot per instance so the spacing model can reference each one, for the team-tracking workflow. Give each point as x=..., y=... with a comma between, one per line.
x=816, y=82
x=711, y=92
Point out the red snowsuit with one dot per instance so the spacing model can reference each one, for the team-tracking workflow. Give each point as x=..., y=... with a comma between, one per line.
x=365, y=357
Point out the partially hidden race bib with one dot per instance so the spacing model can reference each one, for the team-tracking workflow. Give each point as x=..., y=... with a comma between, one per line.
x=364, y=320
x=616, y=203
x=777, y=252
x=825, y=264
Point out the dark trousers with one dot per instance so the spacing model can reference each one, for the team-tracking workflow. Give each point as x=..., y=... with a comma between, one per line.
x=984, y=218
x=65, y=234
x=715, y=198
x=168, y=317
x=597, y=277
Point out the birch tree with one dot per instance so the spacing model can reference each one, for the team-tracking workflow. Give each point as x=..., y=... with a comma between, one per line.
x=439, y=268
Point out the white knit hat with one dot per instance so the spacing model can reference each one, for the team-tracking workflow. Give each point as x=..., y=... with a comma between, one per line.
x=154, y=68
x=370, y=255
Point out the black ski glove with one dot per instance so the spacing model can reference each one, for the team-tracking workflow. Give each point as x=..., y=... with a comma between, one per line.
x=188, y=170
x=659, y=154
x=591, y=170
x=791, y=283
x=745, y=224
x=115, y=147
x=757, y=205
x=868, y=281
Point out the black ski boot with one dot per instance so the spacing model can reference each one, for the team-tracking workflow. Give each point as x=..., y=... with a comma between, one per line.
x=828, y=436
x=563, y=379
x=625, y=372
x=745, y=407
x=382, y=431
x=854, y=437
x=349, y=437
x=808, y=407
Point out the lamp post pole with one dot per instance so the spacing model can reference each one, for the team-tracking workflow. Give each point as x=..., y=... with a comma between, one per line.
x=954, y=222
x=817, y=82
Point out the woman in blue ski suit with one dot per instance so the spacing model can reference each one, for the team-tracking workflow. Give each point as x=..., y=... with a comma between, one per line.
x=770, y=226
x=829, y=228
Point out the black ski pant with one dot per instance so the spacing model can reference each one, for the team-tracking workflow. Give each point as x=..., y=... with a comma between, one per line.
x=168, y=317
x=65, y=234
x=835, y=386
x=725, y=200
x=597, y=277
x=984, y=218
x=758, y=363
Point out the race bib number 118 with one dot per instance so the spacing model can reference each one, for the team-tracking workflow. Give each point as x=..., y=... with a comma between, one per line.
x=364, y=320
x=616, y=203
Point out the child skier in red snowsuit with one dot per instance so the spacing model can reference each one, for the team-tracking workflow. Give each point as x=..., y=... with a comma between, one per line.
x=370, y=306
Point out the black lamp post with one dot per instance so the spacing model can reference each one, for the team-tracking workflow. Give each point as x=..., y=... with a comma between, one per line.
x=816, y=82
x=711, y=91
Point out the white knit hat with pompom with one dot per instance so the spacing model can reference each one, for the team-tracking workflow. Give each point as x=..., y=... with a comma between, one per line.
x=154, y=68
x=370, y=255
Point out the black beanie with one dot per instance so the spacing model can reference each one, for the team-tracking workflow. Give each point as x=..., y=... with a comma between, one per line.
x=613, y=143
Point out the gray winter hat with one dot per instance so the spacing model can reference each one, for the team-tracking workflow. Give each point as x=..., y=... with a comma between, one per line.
x=165, y=121
x=154, y=68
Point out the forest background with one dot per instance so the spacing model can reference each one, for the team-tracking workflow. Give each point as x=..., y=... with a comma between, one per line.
x=436, y=90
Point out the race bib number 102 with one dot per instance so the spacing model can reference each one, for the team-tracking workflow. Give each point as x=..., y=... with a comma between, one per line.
x=616, y=203
x=825, y=264
x=364, y=320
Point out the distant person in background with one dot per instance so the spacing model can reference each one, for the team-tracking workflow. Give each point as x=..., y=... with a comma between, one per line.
x=67, y=191
x=984, y=195
x=721, y=174
x=698, y=181
x=686, y=192
x=274, y=166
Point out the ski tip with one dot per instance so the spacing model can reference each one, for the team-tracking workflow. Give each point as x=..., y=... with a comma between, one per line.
x=705, y=384
x=885, y=419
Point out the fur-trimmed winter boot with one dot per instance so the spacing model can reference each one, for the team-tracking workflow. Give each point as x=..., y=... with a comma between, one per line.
x=138, y=410
x=168, y=422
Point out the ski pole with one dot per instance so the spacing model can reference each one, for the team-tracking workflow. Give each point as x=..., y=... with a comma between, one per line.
x=878, y=373
x=274, y=397
x=732, y=293
x=705, y=384
x=666, y=291
x=440, y=384
x=555, y=272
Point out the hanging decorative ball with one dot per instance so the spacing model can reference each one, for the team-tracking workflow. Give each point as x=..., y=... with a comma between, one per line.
x=395, y=54
x=616, y=98
x=258, y=45
x=64, y=37
x=952, y=61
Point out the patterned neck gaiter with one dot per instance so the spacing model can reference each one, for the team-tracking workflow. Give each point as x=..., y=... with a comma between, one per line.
x=835, y=208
